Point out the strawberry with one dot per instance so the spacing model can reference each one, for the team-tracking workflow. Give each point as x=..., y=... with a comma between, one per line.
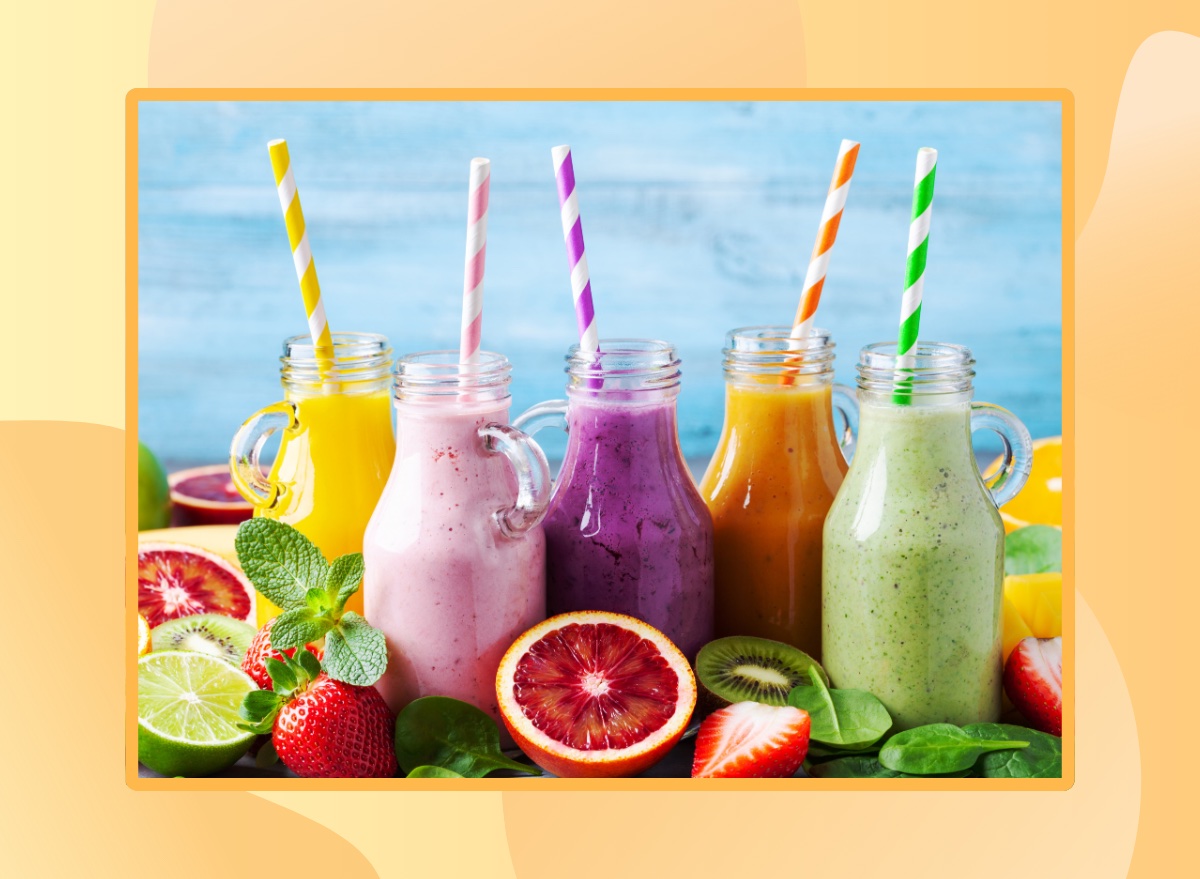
x=1033, y=681
x=254, y=663
x=320, y=727
x=750, y=740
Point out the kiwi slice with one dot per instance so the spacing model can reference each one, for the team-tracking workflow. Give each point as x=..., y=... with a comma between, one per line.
x=210, y=633
x=745, y=669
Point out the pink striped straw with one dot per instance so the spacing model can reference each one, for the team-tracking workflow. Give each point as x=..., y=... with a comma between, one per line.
x=477, y=207
x=581, y=283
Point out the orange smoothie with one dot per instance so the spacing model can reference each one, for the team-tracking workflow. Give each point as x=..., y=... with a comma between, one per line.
x=769, y=486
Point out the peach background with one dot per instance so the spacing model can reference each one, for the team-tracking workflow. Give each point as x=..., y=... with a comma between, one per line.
x=1133, y=71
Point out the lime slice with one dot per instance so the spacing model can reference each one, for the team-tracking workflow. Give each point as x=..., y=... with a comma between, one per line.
x=188, y=713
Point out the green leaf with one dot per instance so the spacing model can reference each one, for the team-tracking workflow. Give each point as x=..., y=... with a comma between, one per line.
x=433, y=772
x=345, y=578
x=819, y=753
x=1042, y=759
x=1034, y=549
x=318, y=602
x=266, y=756
x=258, y=709
x=281, y=562
x=297, y=627
x=444, y=732
x=845, y=718
x=283, y=679
x=938, y=748
x=308, y=662
x=867, y=767
x=355, y=653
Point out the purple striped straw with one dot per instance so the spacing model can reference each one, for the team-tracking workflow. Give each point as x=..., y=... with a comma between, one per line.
x=581, y=283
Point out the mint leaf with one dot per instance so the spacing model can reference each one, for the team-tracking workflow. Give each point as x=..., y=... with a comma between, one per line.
x=318, y=601
x=345, y=578
x=433, y=772
x=281, y=562
x=1034, y=549
x=295, y=628
x=444, y=732
x=355, y=653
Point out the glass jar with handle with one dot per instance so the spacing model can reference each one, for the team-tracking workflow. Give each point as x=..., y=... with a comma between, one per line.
x=627, y=530
x=454, y=553
x=914, y=545
x=336, y=446
x=778, y=465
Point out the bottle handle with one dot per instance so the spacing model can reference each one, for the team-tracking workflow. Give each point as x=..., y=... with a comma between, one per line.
x=244, y=452
x=1017, y=459
x=533, y=477
x=845, y=401
x=552, y=413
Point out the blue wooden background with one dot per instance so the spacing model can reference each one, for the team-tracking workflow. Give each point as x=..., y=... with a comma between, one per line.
x=698, y=217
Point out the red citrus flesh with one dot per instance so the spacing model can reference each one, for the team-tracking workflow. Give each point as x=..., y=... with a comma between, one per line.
x=595, y=694
x=576, y=680
x=207, y=496
x=176, y=580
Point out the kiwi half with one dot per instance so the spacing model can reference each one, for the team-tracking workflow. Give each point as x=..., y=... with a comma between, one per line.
x=209, y=633
x=745, y=669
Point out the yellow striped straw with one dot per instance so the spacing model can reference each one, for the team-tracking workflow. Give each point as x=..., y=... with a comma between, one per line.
x=306, y=271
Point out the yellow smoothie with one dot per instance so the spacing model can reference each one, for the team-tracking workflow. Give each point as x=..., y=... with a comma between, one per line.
x=769, y=486
x=330, y=471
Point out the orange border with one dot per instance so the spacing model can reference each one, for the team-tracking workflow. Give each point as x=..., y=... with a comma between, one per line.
x=1062, y=96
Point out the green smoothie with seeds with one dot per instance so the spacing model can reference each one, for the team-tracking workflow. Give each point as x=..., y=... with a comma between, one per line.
x=913, y=563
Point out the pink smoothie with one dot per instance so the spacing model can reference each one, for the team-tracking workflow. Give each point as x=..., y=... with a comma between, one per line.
x=449, y=591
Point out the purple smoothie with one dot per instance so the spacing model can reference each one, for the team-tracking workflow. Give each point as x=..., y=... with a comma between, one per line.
x=627, y=530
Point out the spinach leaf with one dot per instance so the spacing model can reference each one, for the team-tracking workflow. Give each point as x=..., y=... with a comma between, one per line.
x=819, y=753
x=1034, y=549
x=444, y=732
x=1042, y=759
x=938, y=748
x=866, y=767
x=433, y=772
x=846, y=718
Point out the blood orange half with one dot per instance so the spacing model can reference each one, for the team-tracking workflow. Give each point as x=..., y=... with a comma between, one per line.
x=177, y=580
x=595, y=694
x=207, y=496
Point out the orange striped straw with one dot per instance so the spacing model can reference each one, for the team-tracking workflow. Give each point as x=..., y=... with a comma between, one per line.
x=831, y=218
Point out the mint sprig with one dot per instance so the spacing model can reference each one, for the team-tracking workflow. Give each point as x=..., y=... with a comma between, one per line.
x=289, y=570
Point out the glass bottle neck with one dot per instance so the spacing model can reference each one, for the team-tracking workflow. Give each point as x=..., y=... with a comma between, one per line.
x=360, y=364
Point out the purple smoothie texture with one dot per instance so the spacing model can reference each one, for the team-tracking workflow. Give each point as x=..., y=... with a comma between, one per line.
x=628, y=531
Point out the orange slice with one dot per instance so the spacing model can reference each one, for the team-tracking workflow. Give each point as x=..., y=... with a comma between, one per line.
x=1040, y=501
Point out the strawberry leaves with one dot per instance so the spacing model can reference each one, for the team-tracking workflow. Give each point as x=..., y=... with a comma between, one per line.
x=289, y=676
x=287, y=569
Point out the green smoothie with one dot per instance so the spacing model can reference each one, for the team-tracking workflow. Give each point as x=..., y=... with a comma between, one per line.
x=913, y=569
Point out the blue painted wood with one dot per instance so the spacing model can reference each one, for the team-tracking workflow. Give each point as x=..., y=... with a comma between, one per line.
x=699, y=217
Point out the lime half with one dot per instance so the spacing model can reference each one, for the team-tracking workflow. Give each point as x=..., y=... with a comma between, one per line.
x=188, y=713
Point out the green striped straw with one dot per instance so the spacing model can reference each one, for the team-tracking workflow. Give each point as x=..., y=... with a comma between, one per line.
x=914, y=275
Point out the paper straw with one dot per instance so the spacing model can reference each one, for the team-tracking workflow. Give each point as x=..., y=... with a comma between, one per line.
x=831, y=218
x=477, y=208
x=306, y=271
x=914, y=275
x=581, y=284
